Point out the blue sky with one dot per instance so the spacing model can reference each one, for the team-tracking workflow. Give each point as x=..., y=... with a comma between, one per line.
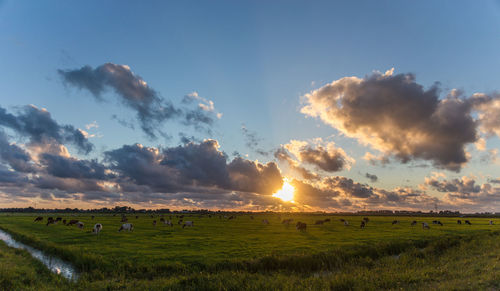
x=254, y=59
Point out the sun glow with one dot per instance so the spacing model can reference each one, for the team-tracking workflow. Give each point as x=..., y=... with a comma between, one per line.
x=286, y=192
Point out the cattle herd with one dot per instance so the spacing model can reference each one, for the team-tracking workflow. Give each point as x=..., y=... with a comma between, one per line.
x=300, y=226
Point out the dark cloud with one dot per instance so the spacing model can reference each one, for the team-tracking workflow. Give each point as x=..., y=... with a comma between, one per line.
x=465, y=193
x=204, y=114
x=344, y=194
x=67, y=167
x=38, y=126
x=16, y=157
x=373, y=178
x=464, y=185
x=328, y=161
x=297, y=155
x=193, y=166
x=397, y=116
x=349, y=187
x=250, y=176
x=151, y=109
x=11, y=178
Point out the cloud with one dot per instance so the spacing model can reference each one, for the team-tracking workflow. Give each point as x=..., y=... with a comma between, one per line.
x=68, y=167
x=465, y=185
x=193, y=167
x=283, y=156
x=134, y=92
x=343, y=194
x=328, y=157
x=16, y=157
x=373, y=178
x=151, y=109
x=325, y=157
x=397, y=116
x=204, y=114
x=38, y=126
x=252, y=141
x=467, y=194
x=489, y=112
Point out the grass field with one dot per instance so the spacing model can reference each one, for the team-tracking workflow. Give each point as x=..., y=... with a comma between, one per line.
x=245, y=254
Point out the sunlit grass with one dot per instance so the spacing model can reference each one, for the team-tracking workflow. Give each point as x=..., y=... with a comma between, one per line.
x=229, y=249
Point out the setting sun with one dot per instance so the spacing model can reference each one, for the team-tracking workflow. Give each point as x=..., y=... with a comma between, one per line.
x=286, y=192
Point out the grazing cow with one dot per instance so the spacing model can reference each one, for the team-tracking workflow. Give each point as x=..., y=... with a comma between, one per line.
x=327, y=220
x=346, y=223
x=50, y=220
x=80, y=224
x=179, y=222
x=127, y=227
x=154, y=222
x=188, y=223
x=181, y=217
x=71, y=222
x=39, y=218
x=92, y=217
x=64, y=221
x=468, y=222
x=366, y=219
x=363, y=224
x=342, y=220
x=58, y=219
x=413, y=223
x=97, y=228
x=439, y=223
x=231, y=217
x=491, y=222
x=300, y=226
x=425, y=225
x=319, y=222
x=459, y=221
x=395, y=222
x=251, y=217
x=265, y=221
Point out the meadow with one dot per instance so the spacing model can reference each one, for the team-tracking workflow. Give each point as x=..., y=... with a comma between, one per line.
x=244, y=253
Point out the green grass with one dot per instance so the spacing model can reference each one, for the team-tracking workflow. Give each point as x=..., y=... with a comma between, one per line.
x=246, y=254
x=18, y=270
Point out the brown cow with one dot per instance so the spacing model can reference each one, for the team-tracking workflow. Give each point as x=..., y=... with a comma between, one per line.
x=50, y=220
x=300, y=226
x=71, y=222
x=39, y=218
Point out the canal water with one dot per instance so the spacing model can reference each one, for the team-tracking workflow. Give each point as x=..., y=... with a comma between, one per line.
x=54, y=264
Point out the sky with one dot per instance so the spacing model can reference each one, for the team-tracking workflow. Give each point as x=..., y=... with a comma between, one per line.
x=355, y=105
